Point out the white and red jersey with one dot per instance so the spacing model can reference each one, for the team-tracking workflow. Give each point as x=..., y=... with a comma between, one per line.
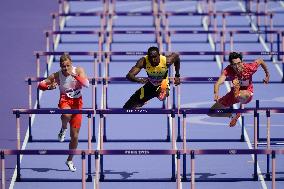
x=69, y=85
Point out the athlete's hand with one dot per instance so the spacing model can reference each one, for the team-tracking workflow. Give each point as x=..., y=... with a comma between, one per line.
x=71, y=73
x=236, y=83
x=177, y=81
x=266, y=79
x=143, y=80
x=216, y=97
x=52, y=86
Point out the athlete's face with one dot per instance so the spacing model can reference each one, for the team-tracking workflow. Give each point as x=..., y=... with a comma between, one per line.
x=237, y=65
x=154, y=58
x=66, y=67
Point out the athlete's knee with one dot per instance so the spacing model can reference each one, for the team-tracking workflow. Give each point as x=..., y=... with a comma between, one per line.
x=132, y=105
x=215, y=106
x=66, y=116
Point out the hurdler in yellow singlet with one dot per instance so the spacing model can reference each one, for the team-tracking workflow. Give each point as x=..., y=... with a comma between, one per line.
x=157, y=74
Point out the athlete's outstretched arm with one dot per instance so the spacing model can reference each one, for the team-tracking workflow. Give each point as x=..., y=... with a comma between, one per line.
x=173, y=58
x=49, y=83
x=81, y=77
x=135, y=70
x=264, y=67
x=219, y=82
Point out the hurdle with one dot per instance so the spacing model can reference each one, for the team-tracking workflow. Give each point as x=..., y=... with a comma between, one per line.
x=31, y=80
x=122, y=80
x=39, y=54
x=57, y=17
x=65, y=4
x=170, y=33
x=256, y=111
x=18, y=113
x=157, y=34
x=268, y=141
x=272, y=140
x=98, y=33
x=231, y=152
x=271, y=33
x=42, y=152
x=101, y=113
x=156, y=25
x=97, y=153
x=190, y=111
x=223, y=53
x=232, y=33
x=217, y=15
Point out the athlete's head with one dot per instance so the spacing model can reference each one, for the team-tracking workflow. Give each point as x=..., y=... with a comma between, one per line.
x=236, y=61
x=66, y=63
x=154, y=55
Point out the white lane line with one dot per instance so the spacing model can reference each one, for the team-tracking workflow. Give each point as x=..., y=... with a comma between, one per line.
x=25, y=142
x=247, y=139
x=262, y=41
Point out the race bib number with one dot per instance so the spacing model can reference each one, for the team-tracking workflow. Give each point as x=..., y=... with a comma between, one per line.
x=73, y=93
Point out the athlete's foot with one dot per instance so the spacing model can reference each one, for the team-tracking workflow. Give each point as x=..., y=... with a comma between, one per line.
x=70, y=166
x=61, y=135
x=234, y=120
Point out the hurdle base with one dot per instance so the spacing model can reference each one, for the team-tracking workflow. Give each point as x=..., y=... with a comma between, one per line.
x=137, y=140
x=242, y=139
x=140, y=180
x=179, y=139
x=30, y=139
x=218, y=179
x=255, y=177
x=102, y=177
x=89, y=179
x=50, y=180
x=93, y=139
x=56, y=141
x=213, y=140
x=267, y=176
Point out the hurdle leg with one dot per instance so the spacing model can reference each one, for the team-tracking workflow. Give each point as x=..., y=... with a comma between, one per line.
x=97, y=171
x=173, y=146
x=268, y=145
x=243, y=126
x=192, y=185
x=30, y=106
x=178, y=134
x=3, y=170
x=273, y=170
x=102, y=176
x=178, y=181
x=255, y=176
x=184, y=147
x=83, y=170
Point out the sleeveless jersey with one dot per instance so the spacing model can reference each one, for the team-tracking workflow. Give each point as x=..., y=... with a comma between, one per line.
x=157, y=73
x=69, y=85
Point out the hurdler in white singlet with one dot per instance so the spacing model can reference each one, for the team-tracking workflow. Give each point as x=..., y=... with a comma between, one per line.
x=69, y=85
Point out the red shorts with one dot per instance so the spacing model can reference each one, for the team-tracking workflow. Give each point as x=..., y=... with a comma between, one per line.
x=229, y=99
x=72, y=103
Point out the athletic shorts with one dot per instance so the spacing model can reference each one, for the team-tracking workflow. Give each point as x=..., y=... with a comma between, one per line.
x=72, y=103
x=229, y=99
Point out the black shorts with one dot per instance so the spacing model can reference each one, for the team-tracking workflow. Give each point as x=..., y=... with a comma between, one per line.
x=142, y=95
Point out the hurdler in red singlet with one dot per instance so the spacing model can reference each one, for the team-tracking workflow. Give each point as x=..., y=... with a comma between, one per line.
x=242, y=90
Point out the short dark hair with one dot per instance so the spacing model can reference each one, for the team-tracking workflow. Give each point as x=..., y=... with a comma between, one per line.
x=235, y=55
x=152, y=50
x=65, y=57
